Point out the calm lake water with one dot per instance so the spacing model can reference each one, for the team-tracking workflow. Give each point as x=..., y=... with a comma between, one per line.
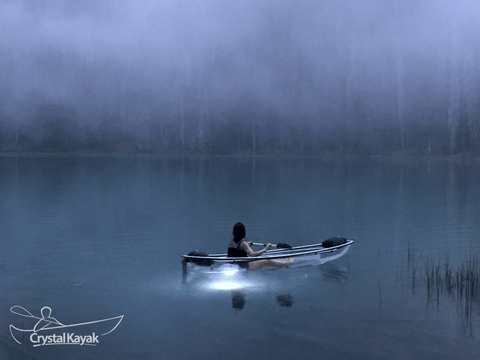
x=98, y=237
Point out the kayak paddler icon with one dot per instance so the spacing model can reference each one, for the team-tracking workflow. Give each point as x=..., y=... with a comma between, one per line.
x=47, y=330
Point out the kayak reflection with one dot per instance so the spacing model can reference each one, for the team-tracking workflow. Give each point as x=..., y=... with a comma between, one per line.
x=239, y=299
x=285, y=300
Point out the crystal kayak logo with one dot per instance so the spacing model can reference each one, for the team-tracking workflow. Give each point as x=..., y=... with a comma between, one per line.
x=47, y=330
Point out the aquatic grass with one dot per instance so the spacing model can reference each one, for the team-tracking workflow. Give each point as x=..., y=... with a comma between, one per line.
x=461, y=284
x=412, y=265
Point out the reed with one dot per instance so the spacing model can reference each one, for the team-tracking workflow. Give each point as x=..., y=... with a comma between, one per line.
x=461, y=284
x=412, y=265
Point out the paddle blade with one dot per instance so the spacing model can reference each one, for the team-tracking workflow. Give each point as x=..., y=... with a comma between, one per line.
x=283, y=246
x=18, y=310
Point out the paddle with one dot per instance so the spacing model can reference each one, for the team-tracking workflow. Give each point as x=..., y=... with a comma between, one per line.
x=278, y=246
x=18, y=310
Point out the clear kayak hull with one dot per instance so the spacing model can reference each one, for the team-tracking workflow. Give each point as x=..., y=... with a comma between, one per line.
x=305, y=255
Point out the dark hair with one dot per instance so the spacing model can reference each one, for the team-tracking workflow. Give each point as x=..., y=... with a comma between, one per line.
x=238, y=232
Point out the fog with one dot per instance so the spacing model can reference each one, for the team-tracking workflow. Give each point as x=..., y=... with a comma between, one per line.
x=221, y=77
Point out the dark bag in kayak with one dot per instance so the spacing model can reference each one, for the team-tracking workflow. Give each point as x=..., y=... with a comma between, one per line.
x=334, y=241
x=201, y=262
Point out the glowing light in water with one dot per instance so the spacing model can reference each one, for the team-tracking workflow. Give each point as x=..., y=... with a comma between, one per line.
x=226, y=285
x=230, y=272
x=229, y=278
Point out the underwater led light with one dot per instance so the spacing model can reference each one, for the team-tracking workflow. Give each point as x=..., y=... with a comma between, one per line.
x=226, y=285
x=228, y=278
x=230, y=272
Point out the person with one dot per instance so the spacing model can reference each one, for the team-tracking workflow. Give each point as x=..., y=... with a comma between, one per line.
x=239, y=247
x=46, y=320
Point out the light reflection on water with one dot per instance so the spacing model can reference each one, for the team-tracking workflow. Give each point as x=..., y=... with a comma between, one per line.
x=100, y=237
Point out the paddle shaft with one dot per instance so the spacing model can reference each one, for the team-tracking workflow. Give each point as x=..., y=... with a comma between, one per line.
x=279, y=245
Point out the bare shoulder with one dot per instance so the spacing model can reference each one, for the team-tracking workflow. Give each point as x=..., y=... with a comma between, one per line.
x=247, y=248
x=245, y=244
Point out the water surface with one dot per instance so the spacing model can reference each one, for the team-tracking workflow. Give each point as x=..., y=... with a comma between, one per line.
x=97, y=237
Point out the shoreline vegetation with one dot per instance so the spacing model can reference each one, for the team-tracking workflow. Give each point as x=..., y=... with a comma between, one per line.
x=326, y=156
x=58, y=130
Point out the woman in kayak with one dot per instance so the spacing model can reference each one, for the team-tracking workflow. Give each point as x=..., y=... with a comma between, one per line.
x=239, y=247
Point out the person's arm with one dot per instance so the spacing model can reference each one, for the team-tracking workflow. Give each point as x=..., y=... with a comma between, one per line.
x=250, y=252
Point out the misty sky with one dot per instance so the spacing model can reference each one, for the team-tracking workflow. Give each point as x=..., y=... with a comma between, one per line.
x=173, y=58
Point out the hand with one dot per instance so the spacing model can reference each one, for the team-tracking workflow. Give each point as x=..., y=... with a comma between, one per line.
x=268, y=246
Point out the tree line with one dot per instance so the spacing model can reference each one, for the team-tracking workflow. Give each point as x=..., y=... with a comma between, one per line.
x=287, y=78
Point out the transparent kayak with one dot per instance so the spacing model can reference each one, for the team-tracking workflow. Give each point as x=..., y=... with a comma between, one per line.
x=304, y=254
